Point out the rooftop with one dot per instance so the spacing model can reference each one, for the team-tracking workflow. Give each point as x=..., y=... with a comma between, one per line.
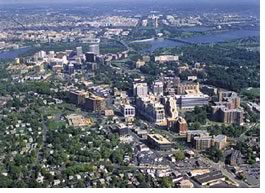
x=197, y=132
x=220, y=138
x=208, y=177
x=159, y=138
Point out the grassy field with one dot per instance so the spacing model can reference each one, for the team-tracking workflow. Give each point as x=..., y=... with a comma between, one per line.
x=52, y=124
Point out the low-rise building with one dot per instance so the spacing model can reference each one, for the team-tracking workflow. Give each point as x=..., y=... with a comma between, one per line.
x=158, y=142
x=209, y=178
x=166, y=58
x=78, y=120
x=188, y=102
x=186, y=184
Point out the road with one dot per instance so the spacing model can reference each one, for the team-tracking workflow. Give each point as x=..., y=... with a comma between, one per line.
x=44, y=136
x=250, y=127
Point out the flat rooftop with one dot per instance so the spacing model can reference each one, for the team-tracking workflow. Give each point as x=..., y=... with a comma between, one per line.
x=208, y=177
x=197, y=132
x=159, y=139
x=78, y=120
x=220, y=138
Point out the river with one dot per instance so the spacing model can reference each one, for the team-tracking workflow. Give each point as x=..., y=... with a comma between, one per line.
x=166, y=43
x=201, y=39
x=13, y=53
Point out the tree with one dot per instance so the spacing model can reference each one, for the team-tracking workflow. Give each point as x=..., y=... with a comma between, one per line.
x=140, y=177
x=117, y=156
x=179, y=155
x=215, y=154
x=196, y=126
x=5, y=181
x=166, y=182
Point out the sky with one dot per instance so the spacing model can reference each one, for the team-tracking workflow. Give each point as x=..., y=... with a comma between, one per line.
x=128, y=1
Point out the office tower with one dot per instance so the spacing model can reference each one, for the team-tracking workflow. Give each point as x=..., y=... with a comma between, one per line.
x=156, y=22
x=170, y=104
x=51, y=54
x=79, y=51
x=128, y=112
x=71, y=68
x=182, y=88
x=94, y=48
x=94, y=103
x=158, y=88
x=223, y=114
x=232, y=99
x=219, y=141
x=140, y=89
x=90, y=57
x=151, y=109
x=181, y=126
x=196, y=133
x=202, y=143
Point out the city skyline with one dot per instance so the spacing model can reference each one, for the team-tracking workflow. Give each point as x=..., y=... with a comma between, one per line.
x=125, y=1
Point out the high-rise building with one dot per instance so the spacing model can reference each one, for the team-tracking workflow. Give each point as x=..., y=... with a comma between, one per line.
x=232, y=99
x=219, y=141
x=79, y=51
x=71, y=68
x=170, y=104
x=223, y=114
x=194, y=133
x=92, y=66
x=94, y=48
x=182, y=88
x=128, y=112
x=90, y=57
x=231, y=116
x=140, y=89
x=181, y=126
x=158, y=88
x=201, y=140
x=151, y=109
x=87, y=101
x=156, y=22
x=202, y=143
x=94, y=103
x=77, y=97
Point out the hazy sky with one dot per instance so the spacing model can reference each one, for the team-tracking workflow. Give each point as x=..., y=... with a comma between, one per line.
x=84, y=1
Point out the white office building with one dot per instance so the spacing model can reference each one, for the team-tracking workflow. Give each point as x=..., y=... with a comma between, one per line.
x=140, y=89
